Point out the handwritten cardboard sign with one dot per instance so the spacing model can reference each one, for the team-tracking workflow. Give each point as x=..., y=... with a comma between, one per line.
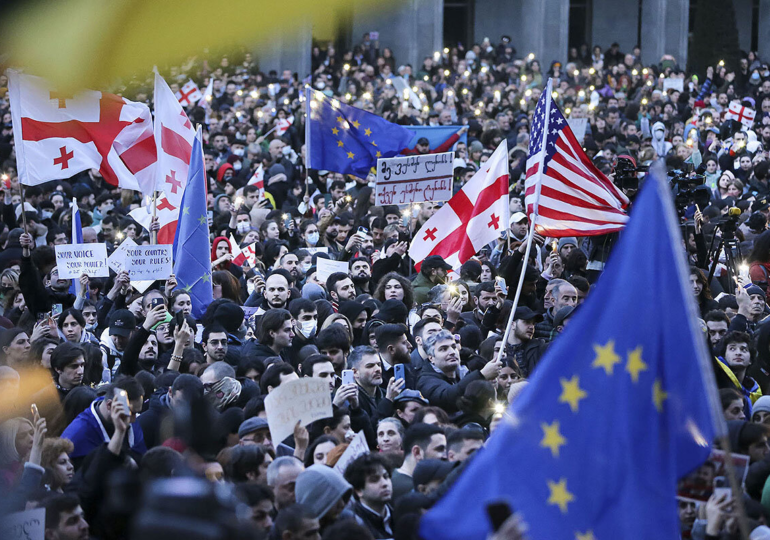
x=357, y=447
x=305, y=400
x=29, y=525
x=74, y=260
x=419, y=178
x=148, y=262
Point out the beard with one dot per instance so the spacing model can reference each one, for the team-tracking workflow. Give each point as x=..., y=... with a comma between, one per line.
x=331, y=235
x=401, y=358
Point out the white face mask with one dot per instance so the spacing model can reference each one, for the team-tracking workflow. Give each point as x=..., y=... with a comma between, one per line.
x=243, y=227
x=308, y=328
x=305, y=267
x=250, y=287
x=312, y=238
x=45, y=214
x=238, y=151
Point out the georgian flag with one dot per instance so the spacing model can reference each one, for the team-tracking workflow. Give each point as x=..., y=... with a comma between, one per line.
x=473, y=218
x=58, y=134
x=744, y=115
x=189, y=94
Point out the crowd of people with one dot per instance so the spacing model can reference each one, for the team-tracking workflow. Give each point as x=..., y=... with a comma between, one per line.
x=125, y=417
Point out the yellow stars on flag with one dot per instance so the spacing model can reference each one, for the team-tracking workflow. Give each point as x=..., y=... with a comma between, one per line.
x=560, y=496
x=367, y=132
x=335, y=131
x=203, y=219
x=588, y=535
x=552, y=439
x=606, y=357
x=205, y=278
x=351, y=155
x=340, y=144
x=658, y=395
x=571, y=392
x=355, y=124
x=341, y=120
x=186, y=210
x=379, y=154
x=635, y=364
x=374, y=143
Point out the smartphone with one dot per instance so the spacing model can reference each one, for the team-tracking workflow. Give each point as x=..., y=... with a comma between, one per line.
x=35, y=412
x=722, y=487
x=56, y=310
x=210, y=217
x=155, y=302
x=498, y=512
x=503, y=284
x=363, y=230
x=121, y=396
x=347, y=376
x=399, y=372
x=179, y=316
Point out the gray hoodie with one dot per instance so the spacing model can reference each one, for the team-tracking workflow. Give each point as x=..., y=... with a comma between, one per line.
x=319, y=488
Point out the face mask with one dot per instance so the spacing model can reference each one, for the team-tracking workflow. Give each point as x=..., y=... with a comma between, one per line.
x=238, y=151
x=237, y=166
x=755, y=76
x=91, y=327
x=250, y=287
x=46, y=214
x=243, y=227
x=305, y=267
x=313, y=238
x=308, y=328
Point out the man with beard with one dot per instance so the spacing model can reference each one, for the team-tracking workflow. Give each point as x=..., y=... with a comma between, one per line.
x=290, y=263
x=485, y=296
x=340, y=288
x=522, y=345
x=367, y=371
x=394, y=348
x=277, y=292
x=432, y=272
x=361, y=274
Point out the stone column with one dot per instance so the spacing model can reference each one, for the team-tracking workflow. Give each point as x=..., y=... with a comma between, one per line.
x=545, y=29
x=664, y=30
x=615, y=21
x=764, y=29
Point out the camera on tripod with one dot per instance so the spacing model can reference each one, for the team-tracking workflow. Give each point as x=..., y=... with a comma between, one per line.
x=688, y=190
x=728, y=224
x=627, y=173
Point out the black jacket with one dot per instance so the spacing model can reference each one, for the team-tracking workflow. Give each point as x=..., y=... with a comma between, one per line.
x=527, y=356
x=442, y=391
x=153, y=417
x=374, y=522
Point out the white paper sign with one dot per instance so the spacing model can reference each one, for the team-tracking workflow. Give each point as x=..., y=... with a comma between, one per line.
x=314, y=250
x=305, y=400
x=29, y=525
x=410, y=179
x=673, y=83
x=74, y=260
x=148, y=262
x=117, y=260
x=357, y=447
x=326, y=267
x=578, y=127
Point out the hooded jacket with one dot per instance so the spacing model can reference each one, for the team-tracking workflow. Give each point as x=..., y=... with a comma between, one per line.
x=111, y=357
x=659, y=143
x=319, y=488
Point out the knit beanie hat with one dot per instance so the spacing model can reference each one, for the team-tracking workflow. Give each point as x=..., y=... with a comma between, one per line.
x=319, y=488
x=762, y=404
x=568, y=240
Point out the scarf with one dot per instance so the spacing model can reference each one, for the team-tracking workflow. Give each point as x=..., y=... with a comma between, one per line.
x=224, y=392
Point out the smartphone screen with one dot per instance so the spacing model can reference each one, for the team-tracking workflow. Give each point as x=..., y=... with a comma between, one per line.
x=399, y=371
x=347, y=376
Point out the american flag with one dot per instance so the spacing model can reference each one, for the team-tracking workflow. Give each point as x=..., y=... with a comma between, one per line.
x=576, y=199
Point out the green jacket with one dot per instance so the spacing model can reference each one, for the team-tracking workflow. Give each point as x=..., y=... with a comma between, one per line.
x=422, y=287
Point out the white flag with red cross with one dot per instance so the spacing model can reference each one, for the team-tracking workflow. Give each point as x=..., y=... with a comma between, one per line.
x=470, y=220
x=174, y=136
x=58, y=134
x=189, y=94
x=744, y=115
x=258, y=179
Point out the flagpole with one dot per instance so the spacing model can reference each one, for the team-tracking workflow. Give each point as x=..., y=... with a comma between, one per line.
x=153, y=233
x=308, y=93
x=524, y=261
x=23, y=203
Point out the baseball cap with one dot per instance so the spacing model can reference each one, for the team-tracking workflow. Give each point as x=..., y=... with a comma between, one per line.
x=416, y=396
x=435, y=261
x=251, y=425
x=761, y=203
x=121, y=323
x=523, y=313
x=428, y=470
x=518, y=217
x=423, y=140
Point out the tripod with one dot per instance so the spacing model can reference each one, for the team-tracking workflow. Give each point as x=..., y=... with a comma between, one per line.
x=730, y=244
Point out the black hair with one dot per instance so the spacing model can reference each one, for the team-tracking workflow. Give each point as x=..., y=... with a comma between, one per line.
x=307, y=365
x=190, y=386
x=716, y=315
x=76, y=314
x=214, y=328
x=244, y=460
x=64, y=354
x=308, y=461
x=271, y=321
x=129, y=384
x=56, y=505
x=420, y=325
x=299, y=305
x=291, y=519
x=736, y=337
x=727, y=396
x=333, y=337
x=317, y=428
x=332, y=280
x=476, y=398
x=253, y=494
x=247, y=364
x=272, y=375
x=458, y=436
x=76, y=401
x=419, y=434
x=362, y=467
x=389, y=334
x=159, y=462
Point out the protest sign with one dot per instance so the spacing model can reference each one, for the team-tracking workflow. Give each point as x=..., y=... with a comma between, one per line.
x=117, y=260
x=302, y=400
x=418, y=178
x=326, y=267
x=74, y=260
x=578, y=127
x=700, y=484
x=673, y=83
x=148, y=262
x=357, y=447
x=314, y=250
x=29, y=525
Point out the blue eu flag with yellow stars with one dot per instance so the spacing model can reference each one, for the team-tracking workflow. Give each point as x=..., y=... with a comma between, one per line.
x=621, y=406
x=192, y=251
x=349, y=140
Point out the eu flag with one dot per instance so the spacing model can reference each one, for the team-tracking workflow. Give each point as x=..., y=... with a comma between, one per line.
x=622, y=405
x=348, y=140
x=192, y=262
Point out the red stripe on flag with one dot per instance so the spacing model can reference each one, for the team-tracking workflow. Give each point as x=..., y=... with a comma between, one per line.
x=167, y=232
x=141, y=155
x=174, y=144
x=547, y=191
